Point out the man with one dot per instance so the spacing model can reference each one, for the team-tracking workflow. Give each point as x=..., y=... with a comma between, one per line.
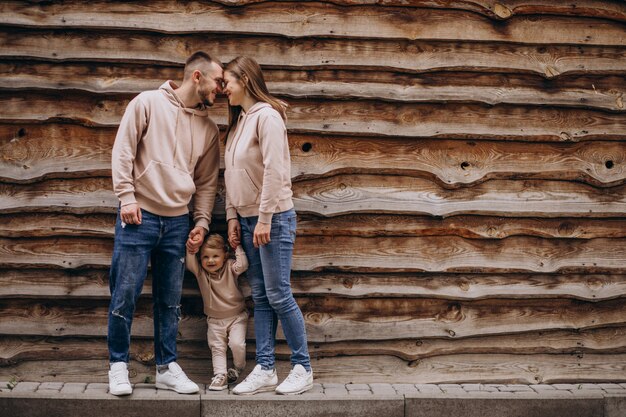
x=166, y=151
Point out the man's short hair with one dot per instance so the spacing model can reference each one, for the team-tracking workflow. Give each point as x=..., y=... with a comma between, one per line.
x=200, y=61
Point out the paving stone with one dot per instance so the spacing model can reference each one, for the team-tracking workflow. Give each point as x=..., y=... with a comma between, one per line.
x=361, y=393
x=97, y=388
x=50, y=386
x=428, y=388
x=333, y=385
x=26, y=387
x=354, y=387
x=317, y=389
x=472, y=387
x=73, y=388
x=515, y=388
x=335, y=391
x=564, y=386
x=610, y=386
x=542, y=387
x=404, y=388
x=590, y=386
x=383, y=389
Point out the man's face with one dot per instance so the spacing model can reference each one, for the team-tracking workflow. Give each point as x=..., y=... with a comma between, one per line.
x=210, y=84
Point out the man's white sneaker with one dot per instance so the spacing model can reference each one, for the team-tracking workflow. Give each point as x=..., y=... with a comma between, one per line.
x=257, y=381
x=118, y=379
x=175, y=379
x=298, y=381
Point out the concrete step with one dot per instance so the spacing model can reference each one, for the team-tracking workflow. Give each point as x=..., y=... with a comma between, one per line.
x=49, y=399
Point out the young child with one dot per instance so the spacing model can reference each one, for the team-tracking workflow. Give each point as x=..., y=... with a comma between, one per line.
x=224, y=306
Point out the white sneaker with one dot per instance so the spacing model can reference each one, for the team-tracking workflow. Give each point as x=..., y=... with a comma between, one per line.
x=175, y=379
x=298, y=381
x=118, y=379
x=258, y=380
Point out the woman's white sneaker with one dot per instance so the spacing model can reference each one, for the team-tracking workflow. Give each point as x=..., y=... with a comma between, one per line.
x=258, y=380
x=297, y=382
x=118, y=379
x=175, y=379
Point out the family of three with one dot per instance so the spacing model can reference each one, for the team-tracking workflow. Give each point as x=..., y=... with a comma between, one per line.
x=167, y=152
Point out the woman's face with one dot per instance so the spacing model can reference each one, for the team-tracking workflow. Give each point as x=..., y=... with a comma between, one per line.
x=234, y=89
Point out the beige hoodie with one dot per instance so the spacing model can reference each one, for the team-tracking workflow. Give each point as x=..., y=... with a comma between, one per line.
x=221, y=294
x=165, y=153
x=257, y=165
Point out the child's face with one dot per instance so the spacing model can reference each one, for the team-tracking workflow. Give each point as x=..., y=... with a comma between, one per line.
x=212, y=260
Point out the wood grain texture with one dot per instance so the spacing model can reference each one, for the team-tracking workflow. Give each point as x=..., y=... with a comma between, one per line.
x=491, y=8
x=588, y=91
x=345, y=194
x=508, y=369
x=360, y=225
x=334, y=319
x=94, y=284
x=362, y=117
x=610, y=340
x=34, y=152
x=313, y=20
x=400, y=254
x=548, y=61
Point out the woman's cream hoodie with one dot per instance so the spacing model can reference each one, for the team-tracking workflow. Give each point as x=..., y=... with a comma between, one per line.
x=257, y=165
x=165, y=153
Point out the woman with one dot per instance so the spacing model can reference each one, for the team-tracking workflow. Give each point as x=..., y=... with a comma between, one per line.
x=260, y=214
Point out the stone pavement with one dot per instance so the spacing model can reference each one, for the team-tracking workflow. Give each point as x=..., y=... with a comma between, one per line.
x=49, y=399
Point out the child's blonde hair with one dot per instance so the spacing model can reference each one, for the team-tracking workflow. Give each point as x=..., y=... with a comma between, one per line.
x=215, y=241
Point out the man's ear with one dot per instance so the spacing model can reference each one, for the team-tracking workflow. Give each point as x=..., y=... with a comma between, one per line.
x=196, y=75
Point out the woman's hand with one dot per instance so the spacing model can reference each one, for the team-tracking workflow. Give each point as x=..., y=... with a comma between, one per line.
x=234, y=233
x=261, y=234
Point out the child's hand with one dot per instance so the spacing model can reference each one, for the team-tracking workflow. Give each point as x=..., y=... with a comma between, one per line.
x=196, y=236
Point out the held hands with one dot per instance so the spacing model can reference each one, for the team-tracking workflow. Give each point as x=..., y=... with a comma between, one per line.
x=261, y=234
x=234, y=233
x=196, y=237
x=131, y=214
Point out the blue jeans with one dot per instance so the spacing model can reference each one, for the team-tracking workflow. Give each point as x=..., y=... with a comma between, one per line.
x=160, y=240
x=269, y=277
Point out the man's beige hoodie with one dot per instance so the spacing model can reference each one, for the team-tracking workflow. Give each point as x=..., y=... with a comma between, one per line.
x=165, y=153
x=257, y=165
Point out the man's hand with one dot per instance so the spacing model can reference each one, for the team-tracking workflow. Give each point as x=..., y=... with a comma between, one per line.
x=196, y=237
x=261, y=234
x=131, y=214
x=234, y=233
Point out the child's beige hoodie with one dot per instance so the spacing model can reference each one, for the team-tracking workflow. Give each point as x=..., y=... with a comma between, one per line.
x=165, y=153
x=257, y=165
x=221, y=294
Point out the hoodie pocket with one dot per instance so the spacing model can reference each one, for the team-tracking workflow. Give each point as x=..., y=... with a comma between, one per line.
x=240, y=189
x=165, y=184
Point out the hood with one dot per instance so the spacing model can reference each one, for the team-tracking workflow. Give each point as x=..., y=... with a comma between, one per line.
x=256, y=107
x=168, y=88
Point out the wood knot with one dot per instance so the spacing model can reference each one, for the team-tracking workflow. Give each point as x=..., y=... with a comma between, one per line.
x=348, y=283
x=502, y=11
x=551, y=72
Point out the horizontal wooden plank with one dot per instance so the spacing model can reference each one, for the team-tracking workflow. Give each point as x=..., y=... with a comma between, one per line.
x=591, y=8
x=400, y=55
x=313, y=19
x=334, y=319
x=35, y=152
x=456, y=163
x=455, y=254
x=361, y=225
x=94, y=283
x=511, y=369
x=359, y=117
x=16, y=349
x=604, y=92
x=344, y=194
x=356, y=194
x=370, y=225
x=400, y=254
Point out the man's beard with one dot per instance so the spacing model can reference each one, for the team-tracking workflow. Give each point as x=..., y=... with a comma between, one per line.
x=205, y=98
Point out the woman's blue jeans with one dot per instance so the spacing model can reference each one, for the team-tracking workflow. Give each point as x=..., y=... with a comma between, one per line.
x=160, y=240
x=269, y=275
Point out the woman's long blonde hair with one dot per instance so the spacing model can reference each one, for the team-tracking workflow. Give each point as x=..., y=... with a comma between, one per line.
x=249, y=73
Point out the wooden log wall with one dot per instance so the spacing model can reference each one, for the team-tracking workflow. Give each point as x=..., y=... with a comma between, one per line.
x=459, y=172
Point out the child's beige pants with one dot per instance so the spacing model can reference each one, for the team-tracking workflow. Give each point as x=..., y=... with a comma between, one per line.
x=224, y=333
